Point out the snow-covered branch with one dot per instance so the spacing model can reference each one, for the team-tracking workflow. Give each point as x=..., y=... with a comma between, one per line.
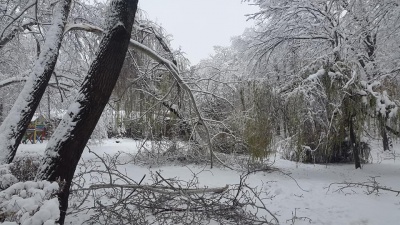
x=174, y=71
x=163, y=189
x=13, y=33
x=15, y=17
x=13, y=80
x=30, y=203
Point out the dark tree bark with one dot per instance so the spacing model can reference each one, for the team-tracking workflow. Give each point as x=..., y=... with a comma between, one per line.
x=71, y=136
x=354, y=144
x=385, y=138
x=15, y=124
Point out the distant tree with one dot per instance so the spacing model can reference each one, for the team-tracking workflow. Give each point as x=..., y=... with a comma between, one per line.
x=330, y=55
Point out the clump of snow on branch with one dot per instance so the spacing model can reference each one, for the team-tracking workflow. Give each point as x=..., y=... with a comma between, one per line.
x=316, y=75
x=384, y=106
x=30, y=203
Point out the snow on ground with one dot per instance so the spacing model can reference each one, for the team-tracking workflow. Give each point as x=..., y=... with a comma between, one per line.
x=300, y=190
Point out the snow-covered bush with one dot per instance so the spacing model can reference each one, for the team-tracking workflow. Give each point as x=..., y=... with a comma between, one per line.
x=29, y=203
x=6, y=178
x=327, y=117
x=24, y=167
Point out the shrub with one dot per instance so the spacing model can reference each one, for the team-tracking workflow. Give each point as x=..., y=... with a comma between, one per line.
x=24, y=168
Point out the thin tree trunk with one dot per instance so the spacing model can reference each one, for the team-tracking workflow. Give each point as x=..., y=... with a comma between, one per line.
x=1, y=112
x=354, y=144
x=70, y=138
x=385, y=138
x=15, y=124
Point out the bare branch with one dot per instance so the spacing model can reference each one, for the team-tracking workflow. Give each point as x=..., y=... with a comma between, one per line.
x=372, y=186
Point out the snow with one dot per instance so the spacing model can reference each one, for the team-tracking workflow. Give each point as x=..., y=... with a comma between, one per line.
x=6, y=179
x=47, y=214
x=316, y=75
x=310, y=197
x=31, y=203
x=384, y=105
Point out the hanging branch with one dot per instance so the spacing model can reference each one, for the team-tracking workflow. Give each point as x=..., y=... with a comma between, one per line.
x=172, y=68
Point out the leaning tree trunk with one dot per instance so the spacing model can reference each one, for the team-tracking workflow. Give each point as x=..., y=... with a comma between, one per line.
x=14, y=125
x=70, y=138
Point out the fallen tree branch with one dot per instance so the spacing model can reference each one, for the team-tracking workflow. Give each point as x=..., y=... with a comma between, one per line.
x=371, y=185
x=161, y=189
x=116, y=199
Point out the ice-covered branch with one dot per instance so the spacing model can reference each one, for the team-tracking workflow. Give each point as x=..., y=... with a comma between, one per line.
x=13, y=33
x=29, y=5
x=174, y=71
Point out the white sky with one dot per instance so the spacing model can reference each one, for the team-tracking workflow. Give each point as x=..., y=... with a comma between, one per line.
x=198, y=25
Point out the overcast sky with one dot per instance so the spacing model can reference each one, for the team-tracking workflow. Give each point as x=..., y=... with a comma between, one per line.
x=198, y=25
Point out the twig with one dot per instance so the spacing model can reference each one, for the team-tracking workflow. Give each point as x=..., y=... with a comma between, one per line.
x=372, y=186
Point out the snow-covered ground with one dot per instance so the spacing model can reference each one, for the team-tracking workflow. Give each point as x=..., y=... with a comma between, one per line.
x=300, y=190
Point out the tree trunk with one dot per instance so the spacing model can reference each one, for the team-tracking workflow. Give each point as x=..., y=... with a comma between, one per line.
x=70, y=138
x=354, y=144
x=383, y=133
x=1, y=112
x=15, y=124
x=385, y=139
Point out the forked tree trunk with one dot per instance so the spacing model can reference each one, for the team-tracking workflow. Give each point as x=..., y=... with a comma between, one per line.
x=14, y=125
x=70, y=138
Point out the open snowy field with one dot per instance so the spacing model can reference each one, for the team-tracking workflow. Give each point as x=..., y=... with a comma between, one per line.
x=300, y=192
